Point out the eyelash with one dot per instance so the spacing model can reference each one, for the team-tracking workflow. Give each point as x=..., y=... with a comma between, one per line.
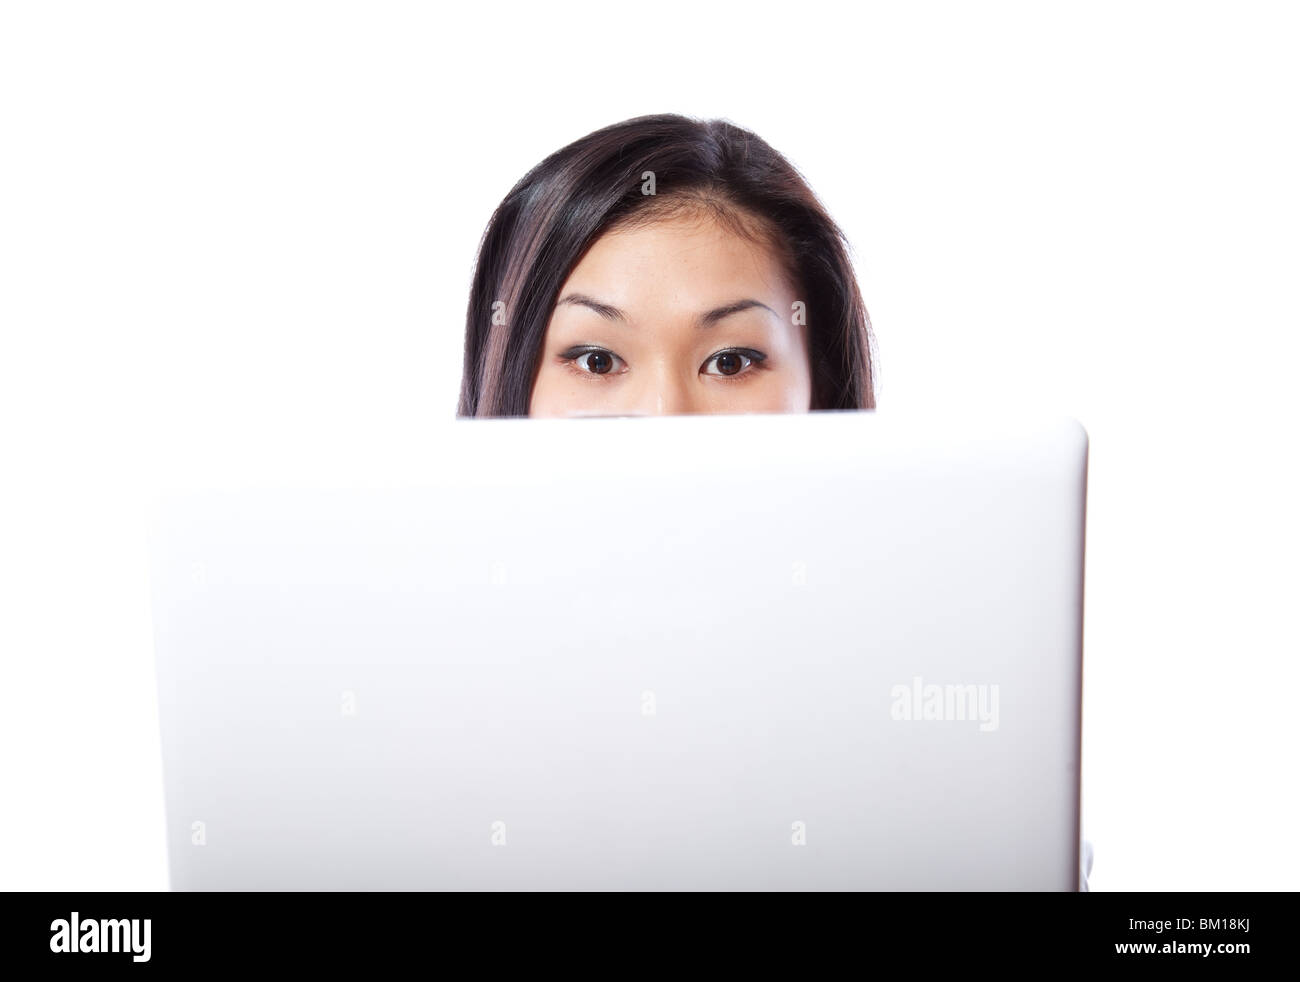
x=756, y=359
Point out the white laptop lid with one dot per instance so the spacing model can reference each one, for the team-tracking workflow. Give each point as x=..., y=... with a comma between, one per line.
x=824, y=651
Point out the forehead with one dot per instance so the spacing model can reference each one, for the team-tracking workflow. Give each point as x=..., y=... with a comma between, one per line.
x=689, y=261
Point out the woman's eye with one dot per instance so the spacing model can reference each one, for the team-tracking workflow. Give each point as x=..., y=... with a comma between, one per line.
x=731, y=362
x=596, y=362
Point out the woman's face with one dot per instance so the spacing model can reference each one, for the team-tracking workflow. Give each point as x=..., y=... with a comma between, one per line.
x=680, y=316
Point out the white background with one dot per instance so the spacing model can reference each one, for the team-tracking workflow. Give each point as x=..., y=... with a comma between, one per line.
x=244, y=232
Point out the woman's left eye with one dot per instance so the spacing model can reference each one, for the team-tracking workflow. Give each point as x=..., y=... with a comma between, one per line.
x=731, y=362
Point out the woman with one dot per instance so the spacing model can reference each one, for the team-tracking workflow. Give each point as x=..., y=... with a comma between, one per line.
x=664, y=265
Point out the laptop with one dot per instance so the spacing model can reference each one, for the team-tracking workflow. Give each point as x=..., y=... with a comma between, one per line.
x=820, y=652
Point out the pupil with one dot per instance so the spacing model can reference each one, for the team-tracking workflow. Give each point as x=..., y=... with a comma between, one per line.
x=729, y=364
x=599, y=362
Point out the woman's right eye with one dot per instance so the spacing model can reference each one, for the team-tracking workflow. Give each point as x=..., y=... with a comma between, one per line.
x=595, y=361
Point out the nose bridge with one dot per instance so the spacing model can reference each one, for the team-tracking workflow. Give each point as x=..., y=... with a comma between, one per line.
x=664, y=389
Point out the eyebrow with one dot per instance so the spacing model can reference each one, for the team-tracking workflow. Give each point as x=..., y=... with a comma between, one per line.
x=707, y=319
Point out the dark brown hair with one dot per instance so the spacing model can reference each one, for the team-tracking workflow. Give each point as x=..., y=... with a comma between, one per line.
x=564, y=204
